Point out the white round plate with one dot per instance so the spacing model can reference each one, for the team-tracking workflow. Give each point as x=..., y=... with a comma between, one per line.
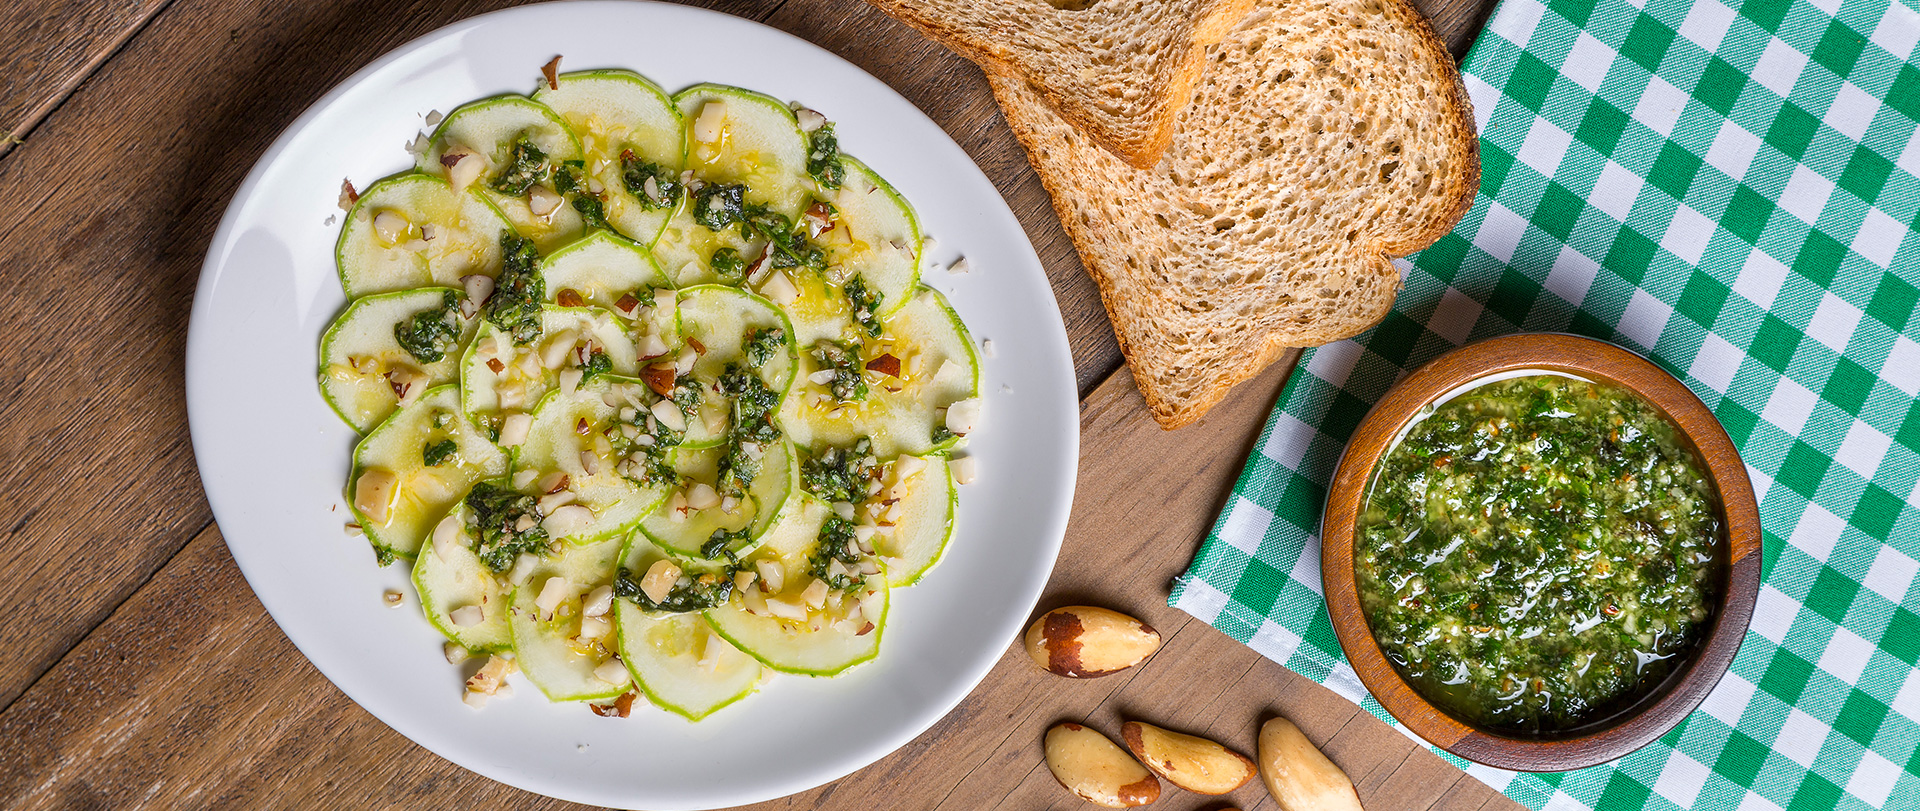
x=274, y=458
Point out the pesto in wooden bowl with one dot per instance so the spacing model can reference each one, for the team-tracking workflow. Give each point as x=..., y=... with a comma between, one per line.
x=1538, y=552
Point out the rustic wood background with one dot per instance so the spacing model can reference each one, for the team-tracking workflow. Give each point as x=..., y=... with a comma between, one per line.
x=140, y=672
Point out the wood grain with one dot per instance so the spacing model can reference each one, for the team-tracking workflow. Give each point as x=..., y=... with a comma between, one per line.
x=124, y=229
x=141, y=672
x=193, y=658
x=51, y=48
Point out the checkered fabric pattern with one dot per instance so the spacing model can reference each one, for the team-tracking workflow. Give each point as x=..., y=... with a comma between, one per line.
x=1730, y=189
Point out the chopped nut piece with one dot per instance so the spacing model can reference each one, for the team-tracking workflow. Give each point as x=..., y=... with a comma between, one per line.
x=618, y=709
x=492, y=676
x=659, y=580
x=373, y=494
x=886, y=365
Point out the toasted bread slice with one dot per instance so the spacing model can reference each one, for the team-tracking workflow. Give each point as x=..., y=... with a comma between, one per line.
x=1326, y=137
x=1120, y=70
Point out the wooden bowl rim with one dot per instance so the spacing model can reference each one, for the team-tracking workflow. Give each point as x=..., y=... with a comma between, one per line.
x=1595, y=360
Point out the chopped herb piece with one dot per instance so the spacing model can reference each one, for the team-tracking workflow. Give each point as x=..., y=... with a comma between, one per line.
x=726, y=544
x=517, y=293
x=526, y=166
x=823, y=158
x=728, y=265
x=597, y=364
x=497, y=513
x=592, y=211
x=428, y=335
x=718, y=205
x=942, y=433
x=571, y=180
x=835, y=542
x=848, y=384
x=840, y=474
x=753, y=404
x=655, y=186
x=647, y=465
x=570, y=177
x=699, y=593
x=383, y=556
x=437, y=453
x=686, y=395
x=865, y=305
x=762, y=343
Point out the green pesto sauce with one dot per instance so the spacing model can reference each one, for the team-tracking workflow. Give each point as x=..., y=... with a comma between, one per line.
x=1538, y=553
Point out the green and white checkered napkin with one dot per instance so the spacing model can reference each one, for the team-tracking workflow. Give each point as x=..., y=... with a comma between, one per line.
x=1732, y=190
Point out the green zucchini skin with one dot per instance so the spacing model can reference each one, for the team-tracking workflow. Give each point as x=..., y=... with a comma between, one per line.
x=617, y=113
x=491, y=128
x=548, y=646
x=925, y=334
x=465, y=239
x=681, y=665
x=364, y=334
x=819, y=645
x=452, y=577
x=659, y=261
x=398, y=445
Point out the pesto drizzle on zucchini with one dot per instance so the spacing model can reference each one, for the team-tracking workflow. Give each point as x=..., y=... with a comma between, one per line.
x=1538, y=553
x=428, y=334
x=519, y=290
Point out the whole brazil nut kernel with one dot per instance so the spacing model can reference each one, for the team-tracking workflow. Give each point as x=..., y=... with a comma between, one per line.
x=1084, y=642
x=1298, y=775
x=1088, y=764
x=1192, y=763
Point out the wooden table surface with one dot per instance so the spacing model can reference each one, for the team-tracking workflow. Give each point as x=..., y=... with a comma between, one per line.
x=137, y=670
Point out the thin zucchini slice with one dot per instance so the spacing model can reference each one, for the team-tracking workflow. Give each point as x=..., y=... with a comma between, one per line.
x=904, y=413
x=524, y=374
x=628, y=126
x=428, y=456
x=453, y=582
x=734, y=137
x=560, y=648
x=521, y=145
x=914, y=528
x=684, y=530
x=875, y=239
x=572, y=430
x=362, y=363
x=720, y=324
x=806, y=626
x=616, y=274
x=412, y=230
x=676, y=658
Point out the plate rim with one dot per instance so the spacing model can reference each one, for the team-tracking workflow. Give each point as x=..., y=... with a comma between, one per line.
x=1050, y=534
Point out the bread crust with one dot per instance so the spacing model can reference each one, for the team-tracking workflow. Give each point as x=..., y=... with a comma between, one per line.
x=1467, y=185
x=998, y=50
x=1369, y=269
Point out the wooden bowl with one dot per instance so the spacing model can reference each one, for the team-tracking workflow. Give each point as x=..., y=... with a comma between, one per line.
x=1663, y=707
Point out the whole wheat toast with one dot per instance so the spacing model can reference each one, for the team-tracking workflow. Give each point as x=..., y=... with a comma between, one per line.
x=1325, y=137
x=1120, y=70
